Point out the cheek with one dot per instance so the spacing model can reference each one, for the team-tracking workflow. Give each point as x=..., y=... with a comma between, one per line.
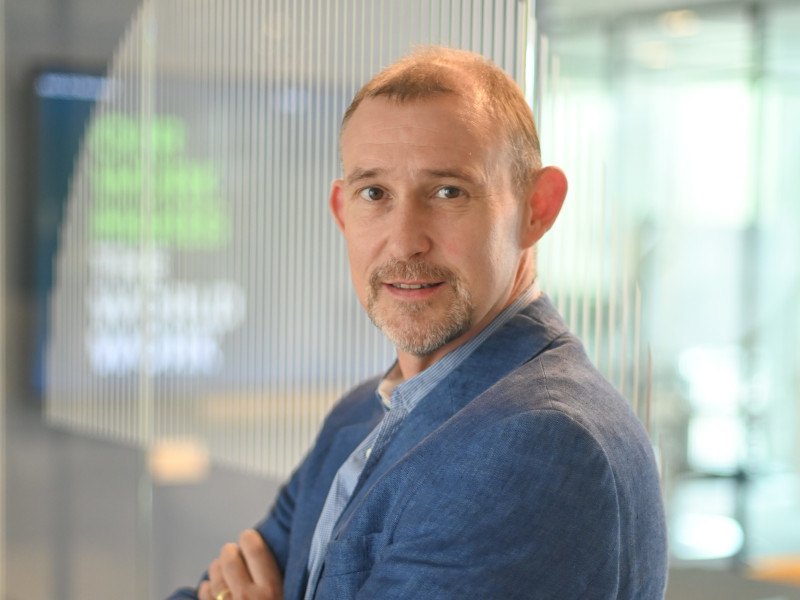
x=477, y=244
x=356, y=259
x=474, y=256
x=492, y=261
x=361, y=266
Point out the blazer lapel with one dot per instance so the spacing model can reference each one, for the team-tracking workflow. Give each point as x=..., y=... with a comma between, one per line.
x=519, y=340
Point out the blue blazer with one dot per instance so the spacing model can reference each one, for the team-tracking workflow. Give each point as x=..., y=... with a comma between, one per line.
x=523, y=474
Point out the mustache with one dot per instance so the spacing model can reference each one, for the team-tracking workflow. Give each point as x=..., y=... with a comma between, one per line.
x=404, y=269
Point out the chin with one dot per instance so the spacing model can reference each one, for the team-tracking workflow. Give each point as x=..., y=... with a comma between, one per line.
x=424, y=339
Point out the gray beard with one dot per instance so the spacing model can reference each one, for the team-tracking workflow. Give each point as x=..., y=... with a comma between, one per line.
x=410, y=326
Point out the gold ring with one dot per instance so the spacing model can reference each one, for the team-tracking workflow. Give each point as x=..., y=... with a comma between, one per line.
x=223, y=594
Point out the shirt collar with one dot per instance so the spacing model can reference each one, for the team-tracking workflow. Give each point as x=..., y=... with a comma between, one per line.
x=388, y=384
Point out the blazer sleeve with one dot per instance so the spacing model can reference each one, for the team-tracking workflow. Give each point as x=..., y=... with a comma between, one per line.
x=276, y=528
x=525, y=508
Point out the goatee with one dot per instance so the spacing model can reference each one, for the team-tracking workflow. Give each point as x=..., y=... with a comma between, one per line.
x=418, y=328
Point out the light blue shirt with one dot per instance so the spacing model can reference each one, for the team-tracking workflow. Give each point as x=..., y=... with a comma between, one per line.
x=404, y=398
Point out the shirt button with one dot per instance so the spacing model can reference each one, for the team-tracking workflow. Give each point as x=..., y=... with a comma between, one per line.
x=369, y=451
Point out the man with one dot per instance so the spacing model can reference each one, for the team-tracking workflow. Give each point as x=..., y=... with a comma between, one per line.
x=491, y=460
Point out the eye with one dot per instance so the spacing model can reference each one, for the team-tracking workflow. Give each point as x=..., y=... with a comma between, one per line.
x=449, y=192
x=372, y=193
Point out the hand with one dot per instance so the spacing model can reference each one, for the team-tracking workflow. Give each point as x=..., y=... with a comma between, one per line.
x=248, y=571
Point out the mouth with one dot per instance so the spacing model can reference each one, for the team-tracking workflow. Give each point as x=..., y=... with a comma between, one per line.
x=414, y=286
x=409, y=281
x=413, y=291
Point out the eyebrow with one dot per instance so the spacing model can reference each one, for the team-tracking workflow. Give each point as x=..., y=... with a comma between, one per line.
x=454, y=173
x=359, y=174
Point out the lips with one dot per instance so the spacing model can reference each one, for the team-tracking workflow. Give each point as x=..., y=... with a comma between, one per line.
x=414, y=286
x=409, y=280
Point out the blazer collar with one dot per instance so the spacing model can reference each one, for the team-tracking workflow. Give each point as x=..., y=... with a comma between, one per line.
x=519, y=340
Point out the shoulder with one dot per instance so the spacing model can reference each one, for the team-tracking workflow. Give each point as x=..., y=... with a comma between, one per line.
x=532, y=451
x=561, y=387
x=556, y=419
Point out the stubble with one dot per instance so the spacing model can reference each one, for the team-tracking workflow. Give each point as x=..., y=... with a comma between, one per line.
x=419, y=327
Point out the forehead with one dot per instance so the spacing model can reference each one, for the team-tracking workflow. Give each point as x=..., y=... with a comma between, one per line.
x=445, y=127
x=445, y=107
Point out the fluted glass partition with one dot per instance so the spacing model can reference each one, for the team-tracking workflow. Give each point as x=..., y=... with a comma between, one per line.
x=202, y=305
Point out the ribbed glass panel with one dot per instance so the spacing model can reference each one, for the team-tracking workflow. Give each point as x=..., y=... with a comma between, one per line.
x=202, y=299
x=589, y=260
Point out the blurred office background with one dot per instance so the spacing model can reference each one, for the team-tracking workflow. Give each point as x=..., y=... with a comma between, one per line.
x=176, y=307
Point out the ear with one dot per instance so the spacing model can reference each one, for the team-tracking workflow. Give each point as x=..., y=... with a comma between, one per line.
x=544, y=202
x=336, y=203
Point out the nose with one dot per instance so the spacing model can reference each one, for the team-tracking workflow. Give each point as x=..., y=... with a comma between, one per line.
x=408, y=230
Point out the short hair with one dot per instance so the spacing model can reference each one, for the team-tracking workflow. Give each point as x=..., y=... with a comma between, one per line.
x=434, y=70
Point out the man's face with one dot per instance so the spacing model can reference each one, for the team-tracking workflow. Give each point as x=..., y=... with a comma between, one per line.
x=432, y=224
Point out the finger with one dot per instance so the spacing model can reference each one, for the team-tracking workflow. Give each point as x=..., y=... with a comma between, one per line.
x=216, y=578
x=204, y=591
x=234, y=570
x=260, y=561
x=215, y=574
